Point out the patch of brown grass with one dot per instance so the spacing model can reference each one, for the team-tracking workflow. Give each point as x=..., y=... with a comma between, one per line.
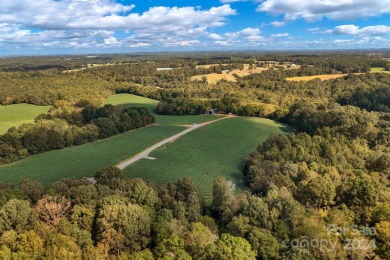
x=321, y=77
x=214, y=77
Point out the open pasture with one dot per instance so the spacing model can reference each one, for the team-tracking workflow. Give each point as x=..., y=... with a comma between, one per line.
x=150, y=104
x=84, y=160
x=18, y=114
x=206, y=153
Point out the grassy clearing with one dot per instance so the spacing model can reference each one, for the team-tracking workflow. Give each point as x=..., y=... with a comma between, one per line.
x=379, y=70
x=216, y=149
x=214, y=77
x=321, y=77
x=84, y=160
x=133, y=100
x=18, y=114
x=333, y=76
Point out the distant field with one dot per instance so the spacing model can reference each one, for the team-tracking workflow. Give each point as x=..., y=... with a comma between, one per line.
x=18, y=114
x=214, y=77
x=216, y=149
x=134, y=100
x=333, y=76
x=84, y=160
x=378, y=70
x=321, y=77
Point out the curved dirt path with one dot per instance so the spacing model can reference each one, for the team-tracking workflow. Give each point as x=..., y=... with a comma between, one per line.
x=145, y=153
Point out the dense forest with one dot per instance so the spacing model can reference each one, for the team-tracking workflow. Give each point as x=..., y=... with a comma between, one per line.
x=321, y=192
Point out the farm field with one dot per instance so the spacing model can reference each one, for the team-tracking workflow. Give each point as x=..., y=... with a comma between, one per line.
x=215, y=77
x=216, y=149
x=84, y=160
x=333, y=76
x=88, y=158
x=133, y=100
x=321, y=77
x=18, y=114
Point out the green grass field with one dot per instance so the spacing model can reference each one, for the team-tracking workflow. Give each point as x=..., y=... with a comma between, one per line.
x=151, y=104
x=18, y=114
x=379, y=70
x=84, y=160
x=213, y=150
x=216, y=149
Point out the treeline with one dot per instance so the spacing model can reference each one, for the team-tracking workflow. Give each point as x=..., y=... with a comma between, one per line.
x=48, y=86
x=341, y=62
x=68, y=129
x=185, y=106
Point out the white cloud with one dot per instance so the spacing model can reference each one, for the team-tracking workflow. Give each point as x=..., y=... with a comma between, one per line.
x=223, y=43
x=317, y=9
x=278, y=23
x=314, y=30
x=186, y=43
x=86, y=19
x=351, y=29
x=140, y=44
x=214, y=36
x=342, y=41
x=52, y=14
x=280, y=35
x=244, y=33
x=106, y=14
x=112, y=41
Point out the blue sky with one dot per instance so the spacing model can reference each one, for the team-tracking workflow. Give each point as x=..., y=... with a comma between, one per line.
x=104, y=26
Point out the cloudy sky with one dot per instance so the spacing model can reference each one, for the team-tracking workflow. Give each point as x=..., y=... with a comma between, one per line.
x=93, y=26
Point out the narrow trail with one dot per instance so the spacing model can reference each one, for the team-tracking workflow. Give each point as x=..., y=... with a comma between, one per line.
x=145, y=153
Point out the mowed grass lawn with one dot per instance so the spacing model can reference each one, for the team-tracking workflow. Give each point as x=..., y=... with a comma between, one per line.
x=137, y=101
x=18, y=114
x=84, y=160
x=216, y=149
